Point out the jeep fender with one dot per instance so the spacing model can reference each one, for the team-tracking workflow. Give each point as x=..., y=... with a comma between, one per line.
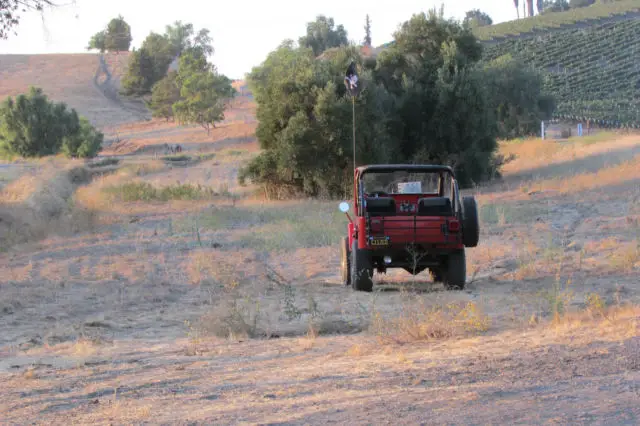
x=350, y=232
x=362, y=233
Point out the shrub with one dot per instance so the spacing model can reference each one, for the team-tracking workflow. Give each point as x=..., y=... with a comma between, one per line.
x=86, y=143
x=144, y=191
x=517, y=97
x=33, y=126
x=178, y=158
x=109, y=161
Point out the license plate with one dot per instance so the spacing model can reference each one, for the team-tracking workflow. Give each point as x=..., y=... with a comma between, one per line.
x=379, y=241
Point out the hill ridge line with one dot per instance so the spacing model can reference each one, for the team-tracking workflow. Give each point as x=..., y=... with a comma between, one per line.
x=586, y=23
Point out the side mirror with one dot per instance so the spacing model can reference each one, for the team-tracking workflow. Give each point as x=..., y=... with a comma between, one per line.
x=344, y=207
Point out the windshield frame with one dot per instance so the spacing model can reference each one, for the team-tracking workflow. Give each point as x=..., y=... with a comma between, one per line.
x=359, y=172
x=392, y=181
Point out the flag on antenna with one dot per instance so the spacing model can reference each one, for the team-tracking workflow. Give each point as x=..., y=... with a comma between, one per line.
x=351, y=80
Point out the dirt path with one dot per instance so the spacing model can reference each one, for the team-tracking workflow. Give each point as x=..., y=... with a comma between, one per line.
x=110, y=91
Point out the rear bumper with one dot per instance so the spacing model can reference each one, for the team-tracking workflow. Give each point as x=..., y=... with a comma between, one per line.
x=425, y=249
x=421, y=247
x=401, y=257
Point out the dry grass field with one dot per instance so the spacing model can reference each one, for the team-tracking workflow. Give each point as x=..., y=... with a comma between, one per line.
x=78, y=80
x=156, y=290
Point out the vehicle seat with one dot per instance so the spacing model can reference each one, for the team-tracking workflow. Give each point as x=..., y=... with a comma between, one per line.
x=381, y=206
x=435, y=206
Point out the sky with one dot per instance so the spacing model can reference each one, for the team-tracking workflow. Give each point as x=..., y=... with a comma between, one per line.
x=243, y=32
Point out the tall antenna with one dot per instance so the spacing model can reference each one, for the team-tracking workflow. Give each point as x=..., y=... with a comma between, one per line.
x=353, y=125
x=351, y=81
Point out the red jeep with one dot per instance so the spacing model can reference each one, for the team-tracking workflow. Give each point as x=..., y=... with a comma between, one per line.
x=411, y=217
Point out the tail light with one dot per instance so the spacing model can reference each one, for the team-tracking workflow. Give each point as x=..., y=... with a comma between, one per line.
x=454, y=226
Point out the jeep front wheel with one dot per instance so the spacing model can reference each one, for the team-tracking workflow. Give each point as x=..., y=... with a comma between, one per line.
x=345, y=261
x=361, y=269
x=455, y=274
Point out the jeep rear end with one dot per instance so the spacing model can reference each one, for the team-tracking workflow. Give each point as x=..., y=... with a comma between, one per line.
x=409, y=217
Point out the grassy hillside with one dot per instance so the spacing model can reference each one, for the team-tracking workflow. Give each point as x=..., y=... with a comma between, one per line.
x=592, y=71
x=587, y=55
x=91, y=86
x=79, y=80
x=595, y=14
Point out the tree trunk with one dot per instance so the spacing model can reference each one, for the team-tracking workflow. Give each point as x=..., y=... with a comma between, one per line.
x=530, y=7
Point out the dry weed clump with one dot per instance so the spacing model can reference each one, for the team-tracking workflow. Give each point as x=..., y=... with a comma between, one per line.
x=143, y=169
x=236, y=311
x=527, y=258
x=419, y=321
x=37, y=203
x=556, y=300
x=234, y=317
x=605, y=244
x=626, y=257
x=614, y=320
x=255, y=303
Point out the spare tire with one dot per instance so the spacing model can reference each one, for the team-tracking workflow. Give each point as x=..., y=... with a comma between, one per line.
x=470, y=223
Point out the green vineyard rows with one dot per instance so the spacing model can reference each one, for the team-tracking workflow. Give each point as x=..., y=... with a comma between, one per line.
x=598, y=11
x=592, y=71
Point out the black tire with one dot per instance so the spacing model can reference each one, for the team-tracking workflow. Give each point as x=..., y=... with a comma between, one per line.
x=455, y=275
x=345, y=261
x=361, y=269
x=470, y=223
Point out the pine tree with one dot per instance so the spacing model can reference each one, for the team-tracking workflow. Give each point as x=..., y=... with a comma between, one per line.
x=367, y=32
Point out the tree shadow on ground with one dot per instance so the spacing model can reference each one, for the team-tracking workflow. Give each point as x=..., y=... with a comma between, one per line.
x=589, y=164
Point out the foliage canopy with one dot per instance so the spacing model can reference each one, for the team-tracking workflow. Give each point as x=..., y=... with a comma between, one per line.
x=425, y=99
x=322, y=34
x=116, y=37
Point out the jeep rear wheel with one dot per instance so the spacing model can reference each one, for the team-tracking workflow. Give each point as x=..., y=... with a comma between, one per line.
x=455, y=274
x=345, y=261
x=470, y=223
x=361, y=269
